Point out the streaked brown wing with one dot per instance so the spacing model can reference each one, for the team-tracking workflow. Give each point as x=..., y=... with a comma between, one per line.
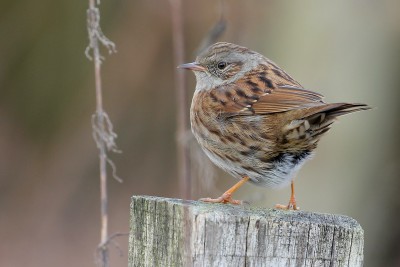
x=286, y=98
x=247, y=98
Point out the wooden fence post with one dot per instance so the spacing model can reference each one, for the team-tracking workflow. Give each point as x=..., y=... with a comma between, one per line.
x=173, y=232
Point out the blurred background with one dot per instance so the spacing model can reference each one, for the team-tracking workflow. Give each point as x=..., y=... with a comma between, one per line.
x=49, y=181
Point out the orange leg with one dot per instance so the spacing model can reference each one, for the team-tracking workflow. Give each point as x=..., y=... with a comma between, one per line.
x=292, y=202
x=227, y=196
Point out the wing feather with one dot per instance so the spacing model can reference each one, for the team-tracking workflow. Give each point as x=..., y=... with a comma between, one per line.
x=251, y=97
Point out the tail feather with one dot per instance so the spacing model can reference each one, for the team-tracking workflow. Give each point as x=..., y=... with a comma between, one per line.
x=339, y=109
x=318, y=120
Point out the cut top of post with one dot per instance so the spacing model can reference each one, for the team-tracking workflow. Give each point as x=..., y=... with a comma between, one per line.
x=173, y=232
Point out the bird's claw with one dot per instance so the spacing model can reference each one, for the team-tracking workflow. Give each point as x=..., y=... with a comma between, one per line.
x=290, y=206
x=226, y=198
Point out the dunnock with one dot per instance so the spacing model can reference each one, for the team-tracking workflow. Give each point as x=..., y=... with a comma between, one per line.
x=253, y=120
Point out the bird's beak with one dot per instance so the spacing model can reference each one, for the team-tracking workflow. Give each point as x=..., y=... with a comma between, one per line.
x=194, y=66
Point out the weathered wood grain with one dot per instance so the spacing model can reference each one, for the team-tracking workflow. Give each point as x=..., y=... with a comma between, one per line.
x=172, y=232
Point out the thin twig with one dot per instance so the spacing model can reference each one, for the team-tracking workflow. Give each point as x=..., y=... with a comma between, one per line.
x=103, y=133
x=111, y=237
x=183, y=153
x=104, y=246
x=215, y=32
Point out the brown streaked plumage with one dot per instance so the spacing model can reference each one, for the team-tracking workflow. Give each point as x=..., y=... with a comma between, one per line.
x=253, y=120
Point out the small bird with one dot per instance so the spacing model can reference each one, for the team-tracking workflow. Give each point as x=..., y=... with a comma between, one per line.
x=253, y=120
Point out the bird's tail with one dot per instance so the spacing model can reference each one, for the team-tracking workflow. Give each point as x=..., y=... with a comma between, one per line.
x=318, y=120
x=339, y=109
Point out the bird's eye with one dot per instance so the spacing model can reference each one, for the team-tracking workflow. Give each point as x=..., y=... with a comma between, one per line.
x=221, y=65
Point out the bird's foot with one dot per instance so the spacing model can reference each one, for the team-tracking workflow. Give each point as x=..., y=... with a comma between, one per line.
x=291, y=206
x=226, y=198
